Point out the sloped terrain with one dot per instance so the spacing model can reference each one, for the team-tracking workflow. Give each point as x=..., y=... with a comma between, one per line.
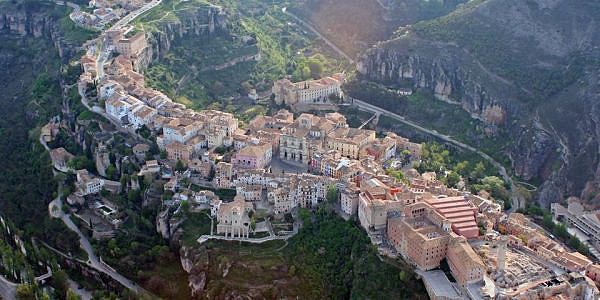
x=355, y=25
x=34, y=44
x=526, y=67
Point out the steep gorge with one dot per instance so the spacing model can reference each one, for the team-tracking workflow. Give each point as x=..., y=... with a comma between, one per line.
x=527, y=67
x=32, y=51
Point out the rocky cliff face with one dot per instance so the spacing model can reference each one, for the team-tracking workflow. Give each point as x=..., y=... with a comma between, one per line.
x=25, y=23
x=38, y=21
x=195, y=262
x=529, y=67
x=444, y=69
x=201, y=21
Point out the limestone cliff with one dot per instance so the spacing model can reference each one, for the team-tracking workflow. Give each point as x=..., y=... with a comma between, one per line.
x=36, y=24
x=201, y=21
x=39, y=21
x=530, y=67
x=442, y=68
x=195, y=262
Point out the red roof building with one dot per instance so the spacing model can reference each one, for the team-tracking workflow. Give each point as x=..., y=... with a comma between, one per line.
x=460, y=212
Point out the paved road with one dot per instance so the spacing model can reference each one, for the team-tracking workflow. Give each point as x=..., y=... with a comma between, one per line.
x=56, y=211
x=368, y=121
x=326, y=40
x=72, y=5
x=44, y=143
x=501, y=170
x=7, y=289
x=81, y=292
x=44, y=277
x=366, y=106
x=101, y=59
x=279, y=166
x=134, y=14
x=105, y=52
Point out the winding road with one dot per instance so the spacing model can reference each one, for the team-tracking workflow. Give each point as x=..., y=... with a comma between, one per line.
x=56, y=211
x=326, y=40
x=515, y=198
x=501, y=169
x=8, y=289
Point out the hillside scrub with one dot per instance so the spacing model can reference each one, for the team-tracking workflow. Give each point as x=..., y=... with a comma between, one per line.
x=339, y=255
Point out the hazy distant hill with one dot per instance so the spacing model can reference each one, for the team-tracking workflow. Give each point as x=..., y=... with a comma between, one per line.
x=355, y=25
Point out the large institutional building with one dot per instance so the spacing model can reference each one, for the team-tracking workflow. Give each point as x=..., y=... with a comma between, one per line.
x=233, y=218
x=460, y=212
x=130, y=46
x=575, y=215
x=310, y=91
x=424, y=237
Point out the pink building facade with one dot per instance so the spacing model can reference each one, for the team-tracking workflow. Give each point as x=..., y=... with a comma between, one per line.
x=253, y=157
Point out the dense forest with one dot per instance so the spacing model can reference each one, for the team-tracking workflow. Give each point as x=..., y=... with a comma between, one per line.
x=31, y=71
x=27, y=183
x=339, y=255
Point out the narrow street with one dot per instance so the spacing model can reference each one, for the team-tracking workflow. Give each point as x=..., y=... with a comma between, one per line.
x=56, y=206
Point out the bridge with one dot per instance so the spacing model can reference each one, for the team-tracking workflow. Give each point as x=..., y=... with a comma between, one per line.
x=261, y=240
x=376, y=115
x=42, y=278
x=515, y=197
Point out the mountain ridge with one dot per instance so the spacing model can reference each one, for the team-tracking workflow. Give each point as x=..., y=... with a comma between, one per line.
x=508, y=63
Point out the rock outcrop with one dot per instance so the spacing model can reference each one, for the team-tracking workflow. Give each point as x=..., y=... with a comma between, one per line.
x=444, y=69
x=204, y=21
x=529, y=67
x=195, y=262
x=36, y=20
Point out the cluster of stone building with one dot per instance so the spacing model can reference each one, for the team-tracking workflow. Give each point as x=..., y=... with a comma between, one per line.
x=104, y=12
x=422, y=219
x=528, y=264
x=428, y=224
x=283, y=191
x=327, y=142
x=185, y=133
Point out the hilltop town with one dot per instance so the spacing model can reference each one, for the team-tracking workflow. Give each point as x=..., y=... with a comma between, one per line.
x=255, y=178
